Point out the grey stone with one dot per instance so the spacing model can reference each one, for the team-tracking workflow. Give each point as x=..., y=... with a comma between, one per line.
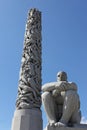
x=76, y=127
x=27, y=119
x=61, y=102
x=28, y=113
x=29, y=87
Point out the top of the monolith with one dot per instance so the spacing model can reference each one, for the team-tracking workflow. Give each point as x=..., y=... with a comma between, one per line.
x=33, y=11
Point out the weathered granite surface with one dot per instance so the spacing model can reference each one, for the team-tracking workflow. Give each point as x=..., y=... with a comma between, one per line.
x=61, y=102
x=29, y=87
x=75, y=127
x=28, y=115
x=27, y=119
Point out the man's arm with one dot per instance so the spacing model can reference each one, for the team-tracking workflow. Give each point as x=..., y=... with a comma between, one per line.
x=64, y=86
x=60, y=86
x=48, y=87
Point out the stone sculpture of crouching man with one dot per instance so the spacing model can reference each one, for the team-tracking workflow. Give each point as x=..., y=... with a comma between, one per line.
x=61, y=102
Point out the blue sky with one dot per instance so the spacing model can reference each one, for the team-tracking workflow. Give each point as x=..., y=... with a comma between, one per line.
x=64, y=47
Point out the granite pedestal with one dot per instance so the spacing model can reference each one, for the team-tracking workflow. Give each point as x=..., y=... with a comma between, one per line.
x=27, y=119
x=75, y=127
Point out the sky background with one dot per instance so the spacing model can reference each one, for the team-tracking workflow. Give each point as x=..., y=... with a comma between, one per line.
x=64, y=47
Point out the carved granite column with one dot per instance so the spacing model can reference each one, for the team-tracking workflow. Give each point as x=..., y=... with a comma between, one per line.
x=28, y=114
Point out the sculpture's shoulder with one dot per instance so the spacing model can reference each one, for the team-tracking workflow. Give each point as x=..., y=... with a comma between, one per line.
x=73, y=85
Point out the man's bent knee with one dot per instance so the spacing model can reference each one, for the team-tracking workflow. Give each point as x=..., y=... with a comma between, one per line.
x=72, y=98
x=72, y=95
x=46, y=96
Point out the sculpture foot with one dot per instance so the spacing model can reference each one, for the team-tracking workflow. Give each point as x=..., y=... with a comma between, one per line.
x=60, y=124
x=52, y=123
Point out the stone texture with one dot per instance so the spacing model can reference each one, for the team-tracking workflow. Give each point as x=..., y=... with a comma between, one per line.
x=29, y=88
x=28, y=114
x=61, y=102
x=27, y=119
x=76, y=127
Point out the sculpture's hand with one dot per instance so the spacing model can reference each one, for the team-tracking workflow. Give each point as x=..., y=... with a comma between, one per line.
x=55, y=92
x=64, y=86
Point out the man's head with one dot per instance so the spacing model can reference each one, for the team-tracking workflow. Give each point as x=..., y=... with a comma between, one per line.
x=61, y=76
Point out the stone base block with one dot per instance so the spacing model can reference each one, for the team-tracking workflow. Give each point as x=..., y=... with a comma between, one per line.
x=27, y=119
x=75, y=127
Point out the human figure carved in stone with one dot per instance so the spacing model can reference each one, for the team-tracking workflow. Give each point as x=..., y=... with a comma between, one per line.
x=61, y=101
x=29, y=87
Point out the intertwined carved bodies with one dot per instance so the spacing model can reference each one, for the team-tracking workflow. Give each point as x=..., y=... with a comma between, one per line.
x=61, y=102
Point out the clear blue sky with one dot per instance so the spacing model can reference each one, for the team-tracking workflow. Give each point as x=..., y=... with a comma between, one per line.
x=64, y=47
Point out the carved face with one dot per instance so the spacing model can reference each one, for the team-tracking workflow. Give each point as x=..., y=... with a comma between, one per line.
x=62, y=76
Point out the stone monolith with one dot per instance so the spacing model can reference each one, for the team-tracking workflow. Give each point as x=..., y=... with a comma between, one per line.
x=27, y=115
